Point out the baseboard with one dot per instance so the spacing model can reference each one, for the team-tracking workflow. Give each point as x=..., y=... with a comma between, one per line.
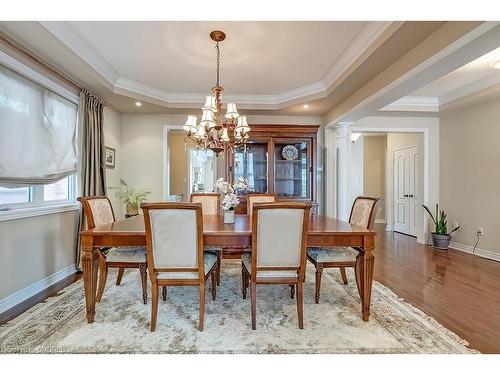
x=479, y=252
x=28, y=292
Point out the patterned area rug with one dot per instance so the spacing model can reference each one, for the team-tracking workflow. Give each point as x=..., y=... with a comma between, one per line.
x=333, y=326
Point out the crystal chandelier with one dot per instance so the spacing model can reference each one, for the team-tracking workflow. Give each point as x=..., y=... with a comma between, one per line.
x=214, y=132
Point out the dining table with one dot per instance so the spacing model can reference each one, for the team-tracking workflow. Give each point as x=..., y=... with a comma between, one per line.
x=323, y=231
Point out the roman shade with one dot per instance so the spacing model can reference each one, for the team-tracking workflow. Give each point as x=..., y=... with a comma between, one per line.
x=37, y=133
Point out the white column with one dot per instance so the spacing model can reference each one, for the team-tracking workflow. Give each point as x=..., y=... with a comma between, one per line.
x=343, y=175
x=330, y=173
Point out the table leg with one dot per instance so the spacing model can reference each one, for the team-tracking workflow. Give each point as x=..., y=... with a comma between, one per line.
x=366, y=261
x=89, y=264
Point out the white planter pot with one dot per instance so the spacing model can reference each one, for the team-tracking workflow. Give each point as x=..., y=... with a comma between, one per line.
x=228, y=217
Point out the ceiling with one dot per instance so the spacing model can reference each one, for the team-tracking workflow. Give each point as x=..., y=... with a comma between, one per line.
x=278, y=68
x=466, y=80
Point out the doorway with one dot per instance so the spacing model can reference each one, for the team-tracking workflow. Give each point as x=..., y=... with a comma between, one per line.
x=202, y=171
x=406, y=191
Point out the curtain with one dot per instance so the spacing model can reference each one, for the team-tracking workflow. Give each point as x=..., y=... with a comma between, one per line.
x=37, y=133
x=92, y=179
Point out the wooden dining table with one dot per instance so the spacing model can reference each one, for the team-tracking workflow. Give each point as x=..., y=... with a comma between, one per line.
x=323, y=231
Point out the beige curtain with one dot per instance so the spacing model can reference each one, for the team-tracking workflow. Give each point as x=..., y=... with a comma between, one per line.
x=92, y=171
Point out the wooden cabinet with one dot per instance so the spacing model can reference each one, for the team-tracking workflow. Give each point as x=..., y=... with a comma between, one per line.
x=280, y=160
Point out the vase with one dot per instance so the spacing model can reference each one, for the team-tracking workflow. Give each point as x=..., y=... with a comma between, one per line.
x=441, y=241
x=229, y=217
x=132, y=210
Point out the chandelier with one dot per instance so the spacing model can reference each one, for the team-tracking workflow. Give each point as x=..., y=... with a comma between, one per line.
x=214, y=132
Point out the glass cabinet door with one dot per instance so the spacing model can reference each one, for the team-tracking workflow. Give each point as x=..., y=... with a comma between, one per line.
x=291, y=169
x=252, y=166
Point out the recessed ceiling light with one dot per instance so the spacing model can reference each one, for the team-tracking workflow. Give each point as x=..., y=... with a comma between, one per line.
x=306, y=106
x=496, y=65
x=138, y=104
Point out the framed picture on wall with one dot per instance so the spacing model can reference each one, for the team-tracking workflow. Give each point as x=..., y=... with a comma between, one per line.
x=110, y=156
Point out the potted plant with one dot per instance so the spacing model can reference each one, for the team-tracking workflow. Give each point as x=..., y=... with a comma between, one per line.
x=440, y=237
x=131, y=197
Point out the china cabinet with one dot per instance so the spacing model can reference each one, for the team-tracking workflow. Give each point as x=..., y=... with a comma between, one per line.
x=280, y=160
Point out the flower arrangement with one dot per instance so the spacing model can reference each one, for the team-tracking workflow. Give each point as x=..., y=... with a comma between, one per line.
x=230, y=200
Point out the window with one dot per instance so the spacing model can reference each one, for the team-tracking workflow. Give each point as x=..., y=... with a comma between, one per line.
x=60, y=192
x=38, y=143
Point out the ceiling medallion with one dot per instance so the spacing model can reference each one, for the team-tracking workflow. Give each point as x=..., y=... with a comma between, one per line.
x=214, y=132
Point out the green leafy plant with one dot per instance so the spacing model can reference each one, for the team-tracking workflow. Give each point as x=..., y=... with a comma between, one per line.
x=130, y=196
x=439, y=220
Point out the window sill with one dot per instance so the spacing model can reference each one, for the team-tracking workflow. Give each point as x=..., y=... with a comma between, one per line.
x=21, y=213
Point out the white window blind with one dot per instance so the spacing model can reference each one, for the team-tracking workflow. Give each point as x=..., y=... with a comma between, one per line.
x=37, y=133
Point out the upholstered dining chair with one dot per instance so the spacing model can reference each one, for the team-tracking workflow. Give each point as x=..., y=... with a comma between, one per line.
x=210, y=206
x=253, y=198
x=279, y=235
x=174, y=244
x=363, y=213
x=99, y=211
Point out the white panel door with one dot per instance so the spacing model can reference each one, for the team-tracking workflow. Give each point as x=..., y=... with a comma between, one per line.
x=406, y=191
x=401, y=202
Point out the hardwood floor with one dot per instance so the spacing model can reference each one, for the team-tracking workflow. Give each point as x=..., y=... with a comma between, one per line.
x=460, y=291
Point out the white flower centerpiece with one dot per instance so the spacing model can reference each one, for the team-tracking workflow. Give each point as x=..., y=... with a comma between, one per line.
x=230, y=200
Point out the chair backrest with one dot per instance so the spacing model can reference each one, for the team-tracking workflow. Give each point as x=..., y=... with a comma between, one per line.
x=174, y=239
x=258, y=198
x=209, y=202
x=279, y=236
x=364, y=210
x=97, y=210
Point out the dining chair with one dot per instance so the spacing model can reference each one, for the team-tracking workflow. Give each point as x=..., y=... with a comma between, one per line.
x=363, y=213
x=258, y=198
x=99, y=211
x=210, y=206
x=174, y=246
x=279, y=235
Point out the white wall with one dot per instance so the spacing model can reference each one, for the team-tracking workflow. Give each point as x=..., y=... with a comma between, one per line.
x=356, y=169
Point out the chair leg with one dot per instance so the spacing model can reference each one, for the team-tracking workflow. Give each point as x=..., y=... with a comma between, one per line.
x=120, y=276
x=202, y=307
x=214, y=284
x=103, y=275
x=292, y=291
x=154, y=306
x=254, y=304
x=319, y=271
x=164, y=293
x=144, y=282
x=344, y=276
x=300, y=304
x=244, y=282
x=219, y=258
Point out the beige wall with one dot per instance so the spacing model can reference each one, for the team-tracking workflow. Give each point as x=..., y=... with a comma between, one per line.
x=142, y=142
x=112, y=138
x=35, y=248
x=374, y=160
x=178, y=169
x=470, y=178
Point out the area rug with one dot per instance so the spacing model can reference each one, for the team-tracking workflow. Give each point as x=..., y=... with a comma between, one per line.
x=333, y=326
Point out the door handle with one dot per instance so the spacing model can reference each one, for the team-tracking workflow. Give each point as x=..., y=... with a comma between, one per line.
x=405, y=196
x=410, y=195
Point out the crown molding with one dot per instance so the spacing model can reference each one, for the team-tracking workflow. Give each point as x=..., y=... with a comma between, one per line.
x=76, y=43
x=414, y=103
x=67, y=35
x=356, y=49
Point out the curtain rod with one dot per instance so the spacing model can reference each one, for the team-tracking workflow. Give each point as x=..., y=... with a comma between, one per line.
x=38, y=61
